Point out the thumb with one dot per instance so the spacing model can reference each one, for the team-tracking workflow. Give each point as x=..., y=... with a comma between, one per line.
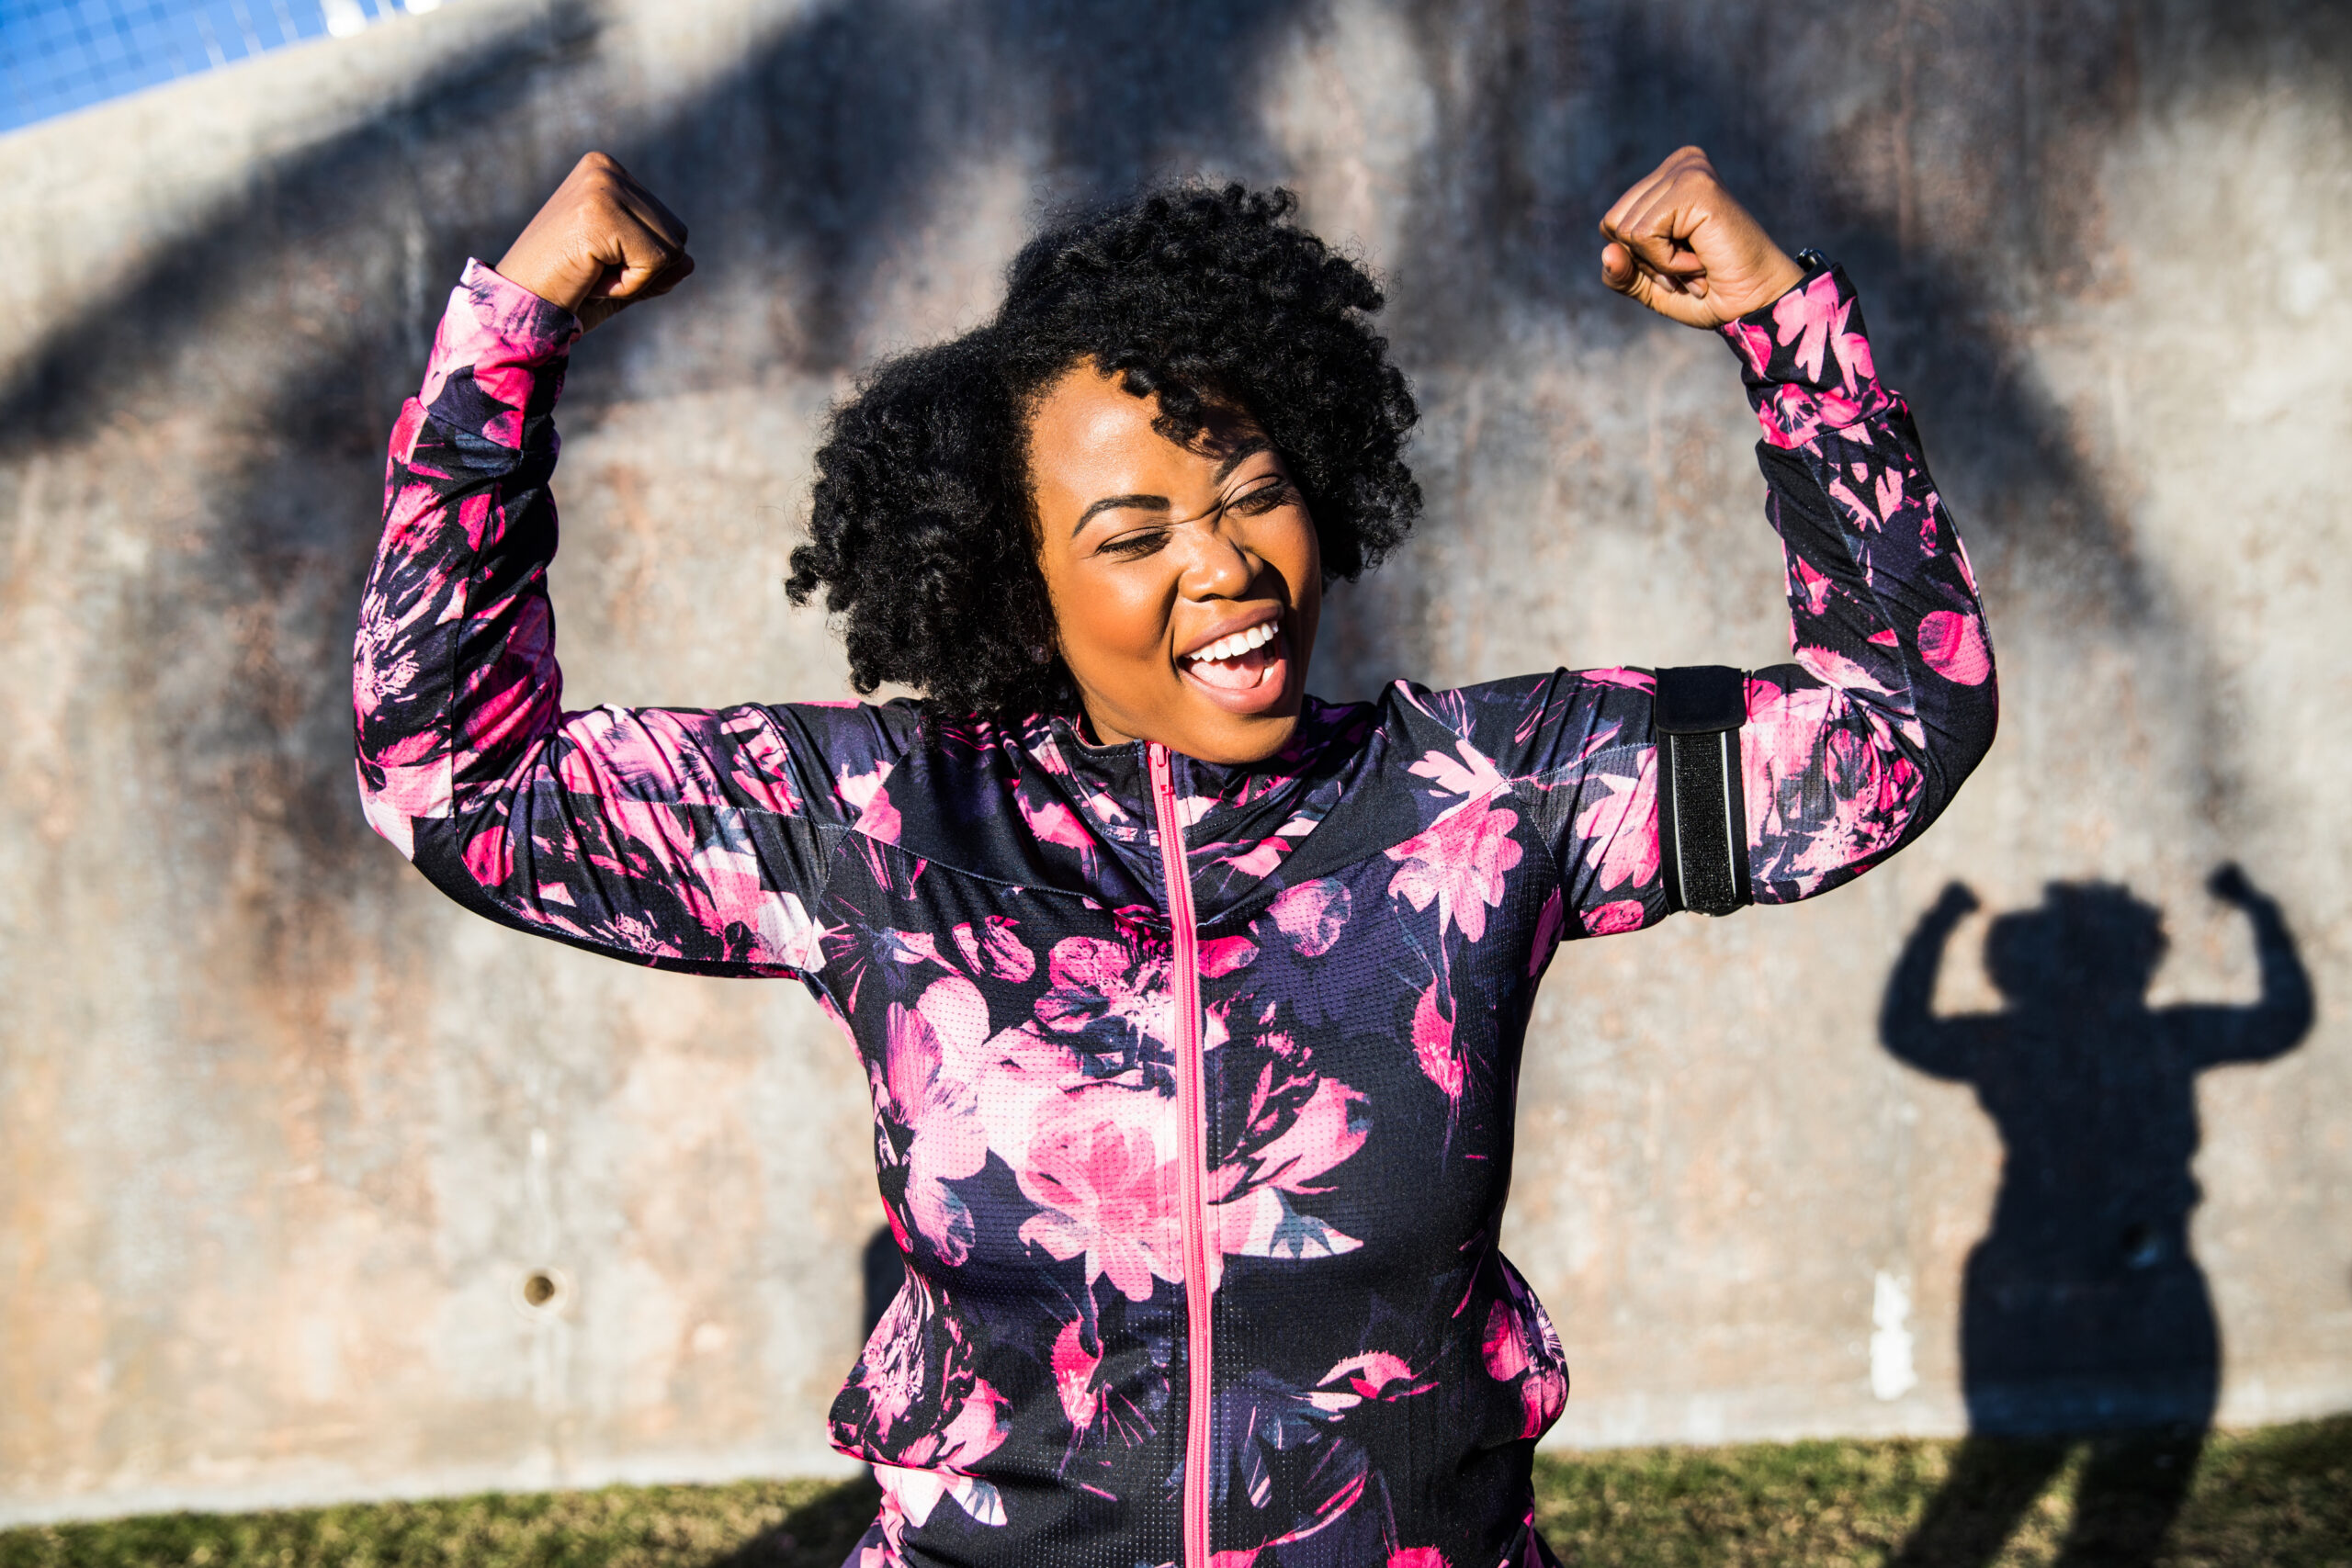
x=1623, y=271
x=1617, y=267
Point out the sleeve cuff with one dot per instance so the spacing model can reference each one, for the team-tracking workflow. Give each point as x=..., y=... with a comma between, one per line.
x=533, y=330
x=500, y=350
x=1805, y=359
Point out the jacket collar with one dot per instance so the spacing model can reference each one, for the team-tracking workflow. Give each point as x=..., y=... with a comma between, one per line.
x=1242, y=821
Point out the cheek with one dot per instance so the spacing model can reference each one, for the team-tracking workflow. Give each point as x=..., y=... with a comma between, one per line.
x=1303, y=566
x=1288, y=543
x=1103, y=614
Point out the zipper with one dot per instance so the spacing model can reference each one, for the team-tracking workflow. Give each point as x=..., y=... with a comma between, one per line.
x=1185, y=981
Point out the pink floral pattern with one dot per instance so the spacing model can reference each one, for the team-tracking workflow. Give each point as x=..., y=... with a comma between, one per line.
x=1522, y=1348
x=918, y=1091
x=984, y=910
x=1457, y=864
x=1100, y=1171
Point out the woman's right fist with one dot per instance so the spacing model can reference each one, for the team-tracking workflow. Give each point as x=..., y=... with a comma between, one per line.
x=600, y=244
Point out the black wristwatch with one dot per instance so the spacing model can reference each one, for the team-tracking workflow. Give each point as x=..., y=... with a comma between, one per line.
x=1813, y=260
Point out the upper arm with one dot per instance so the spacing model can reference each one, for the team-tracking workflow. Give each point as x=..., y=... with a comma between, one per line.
x=1830, y=783
x=1574, y=748
x=2216, y=1036
x=679, y=837
x=1946, y=1048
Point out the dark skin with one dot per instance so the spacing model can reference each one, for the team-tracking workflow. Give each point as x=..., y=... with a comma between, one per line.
x=1154, y=553
x=1158, y=556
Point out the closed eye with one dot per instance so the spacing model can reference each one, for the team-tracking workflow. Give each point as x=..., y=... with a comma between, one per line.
x=1264, y=497
x=1143, y=542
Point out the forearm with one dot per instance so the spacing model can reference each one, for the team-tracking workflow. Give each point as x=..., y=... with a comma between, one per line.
x=1854, y=747
x=2286, y=1007
x=1907, y=1024
x=454, y=677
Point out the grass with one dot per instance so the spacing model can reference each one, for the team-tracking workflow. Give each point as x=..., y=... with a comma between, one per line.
x=748, y=1524
x=2280, y=1497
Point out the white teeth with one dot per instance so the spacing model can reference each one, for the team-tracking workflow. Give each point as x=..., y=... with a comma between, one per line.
x=1239, y=643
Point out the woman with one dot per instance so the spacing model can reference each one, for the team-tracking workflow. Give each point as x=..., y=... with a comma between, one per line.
x=1197, y=1160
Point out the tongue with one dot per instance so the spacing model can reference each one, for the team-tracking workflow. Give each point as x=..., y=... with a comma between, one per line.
x=1232, y=674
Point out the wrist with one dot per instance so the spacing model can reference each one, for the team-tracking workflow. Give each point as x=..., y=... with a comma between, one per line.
x=510, y=324
x=1783, y=273
x=548, y=276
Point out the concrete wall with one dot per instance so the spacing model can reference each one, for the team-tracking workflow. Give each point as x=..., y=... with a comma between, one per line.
x=283, y=1133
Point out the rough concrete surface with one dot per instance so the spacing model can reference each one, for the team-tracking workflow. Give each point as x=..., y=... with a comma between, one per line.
x=283, y=1133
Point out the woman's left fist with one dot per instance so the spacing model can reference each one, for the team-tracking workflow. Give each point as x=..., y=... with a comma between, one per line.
x=1679, y=243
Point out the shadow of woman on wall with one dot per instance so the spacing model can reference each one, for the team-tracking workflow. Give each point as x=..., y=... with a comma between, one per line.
x=2083, y=1313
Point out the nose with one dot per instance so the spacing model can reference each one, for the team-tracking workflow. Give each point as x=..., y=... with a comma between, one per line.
x=1221, y=567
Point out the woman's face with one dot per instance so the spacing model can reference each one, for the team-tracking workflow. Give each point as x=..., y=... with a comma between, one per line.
x=1186, y=581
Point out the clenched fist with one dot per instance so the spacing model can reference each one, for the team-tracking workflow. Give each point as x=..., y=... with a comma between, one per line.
x=600, y=244
x=1679, y=243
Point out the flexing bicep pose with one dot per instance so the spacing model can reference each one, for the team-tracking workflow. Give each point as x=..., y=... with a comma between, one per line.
x=2083, y=1306
x=1191, y=1005
x=2074, y=974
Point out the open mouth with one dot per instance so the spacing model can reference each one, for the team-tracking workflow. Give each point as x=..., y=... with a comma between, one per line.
x=1244, y=670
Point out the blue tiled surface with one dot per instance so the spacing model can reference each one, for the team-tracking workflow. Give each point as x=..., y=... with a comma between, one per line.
x=56, y=55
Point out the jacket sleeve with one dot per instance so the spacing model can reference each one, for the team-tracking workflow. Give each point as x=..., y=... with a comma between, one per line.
x=680, y=838
x=1850, y=749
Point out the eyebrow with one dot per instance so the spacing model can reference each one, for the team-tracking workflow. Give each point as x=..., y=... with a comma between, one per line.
x=1113, y=503
x=1249, y=447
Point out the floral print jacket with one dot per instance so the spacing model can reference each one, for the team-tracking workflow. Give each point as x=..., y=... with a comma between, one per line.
x=1192, y=1084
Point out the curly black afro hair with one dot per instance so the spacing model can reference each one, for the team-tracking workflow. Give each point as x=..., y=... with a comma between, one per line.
x=922, y=526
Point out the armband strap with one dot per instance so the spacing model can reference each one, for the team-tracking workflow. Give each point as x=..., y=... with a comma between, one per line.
x=1701, y=813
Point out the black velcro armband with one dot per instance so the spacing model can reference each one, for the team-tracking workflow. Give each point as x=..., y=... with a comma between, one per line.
x=1701, y=813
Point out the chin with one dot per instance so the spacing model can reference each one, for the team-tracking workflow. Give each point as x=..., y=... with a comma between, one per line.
x=1248, y=742
x=1230, y=738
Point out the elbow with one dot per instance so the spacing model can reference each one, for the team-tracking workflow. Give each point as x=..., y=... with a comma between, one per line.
x=1978, y=714
x=391, y=823
x=2292, y=1017
x=1953, y=743
x=395, y=796
x=1828, y=801
x=405, y=777
x=1986, y=727
x=1899, y=1029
